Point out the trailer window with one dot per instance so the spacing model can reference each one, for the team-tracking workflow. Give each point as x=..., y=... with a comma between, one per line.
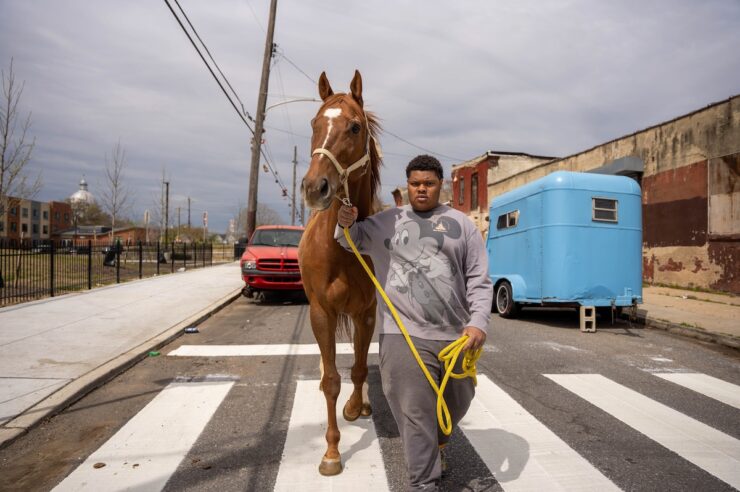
x=507, y=220
x=604, y=209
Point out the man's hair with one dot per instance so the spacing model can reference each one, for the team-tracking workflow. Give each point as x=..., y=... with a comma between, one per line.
x=424, y=163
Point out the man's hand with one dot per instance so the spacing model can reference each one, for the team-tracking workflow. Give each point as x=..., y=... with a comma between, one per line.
x=347, y=216
x=476, y=338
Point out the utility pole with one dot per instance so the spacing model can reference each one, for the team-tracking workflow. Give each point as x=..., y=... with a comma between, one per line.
x=188, y=214
x=258, y=124
x=303, y=213
x=166, y=211
x=295, y=164
x=178, y=224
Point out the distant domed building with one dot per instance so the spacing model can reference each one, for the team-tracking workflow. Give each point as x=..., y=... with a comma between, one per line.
x=82, y=196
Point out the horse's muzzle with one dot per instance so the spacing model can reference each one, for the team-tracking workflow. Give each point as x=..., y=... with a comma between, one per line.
x=317, y=193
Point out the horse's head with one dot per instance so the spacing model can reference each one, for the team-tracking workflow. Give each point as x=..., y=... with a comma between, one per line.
x=340, y=144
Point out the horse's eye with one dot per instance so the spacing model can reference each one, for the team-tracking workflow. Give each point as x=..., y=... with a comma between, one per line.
x=356, y=128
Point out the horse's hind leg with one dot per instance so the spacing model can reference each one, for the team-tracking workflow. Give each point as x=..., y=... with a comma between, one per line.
x=358, y=403
x=324, y=326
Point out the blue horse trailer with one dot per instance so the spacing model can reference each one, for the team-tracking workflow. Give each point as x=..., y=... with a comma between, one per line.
x=568, y=239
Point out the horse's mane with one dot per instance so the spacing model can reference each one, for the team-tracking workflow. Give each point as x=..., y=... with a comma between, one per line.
x=376, y=161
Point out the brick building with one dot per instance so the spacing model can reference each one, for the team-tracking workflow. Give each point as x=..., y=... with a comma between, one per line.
x=689, y=171
x=471, y=180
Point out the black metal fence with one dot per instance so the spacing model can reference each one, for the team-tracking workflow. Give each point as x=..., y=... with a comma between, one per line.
x=35, y=269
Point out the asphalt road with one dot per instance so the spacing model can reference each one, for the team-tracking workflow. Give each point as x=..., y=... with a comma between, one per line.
x=238, y=440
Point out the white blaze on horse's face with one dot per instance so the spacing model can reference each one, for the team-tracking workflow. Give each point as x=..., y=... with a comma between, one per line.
x=330, y=114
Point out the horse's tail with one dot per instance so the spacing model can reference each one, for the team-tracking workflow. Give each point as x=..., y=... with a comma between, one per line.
x=344, y=326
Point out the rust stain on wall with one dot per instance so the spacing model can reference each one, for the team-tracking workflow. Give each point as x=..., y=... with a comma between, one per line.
x=676, y=184
x=677, y=223
x=671, y=266
x=727, y=255
x=698, y=266
x=648, y=268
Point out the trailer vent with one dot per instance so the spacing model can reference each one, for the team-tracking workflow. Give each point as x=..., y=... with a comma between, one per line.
x=604, y=209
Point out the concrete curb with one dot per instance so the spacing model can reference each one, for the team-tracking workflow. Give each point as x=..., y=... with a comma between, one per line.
x=77, y=388
x=688, y=331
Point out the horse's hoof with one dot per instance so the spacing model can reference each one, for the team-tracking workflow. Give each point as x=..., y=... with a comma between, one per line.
x=330, y=466
x=348, y=417
x=367, y=410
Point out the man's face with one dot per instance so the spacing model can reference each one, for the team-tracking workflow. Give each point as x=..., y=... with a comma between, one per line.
x=424, y=188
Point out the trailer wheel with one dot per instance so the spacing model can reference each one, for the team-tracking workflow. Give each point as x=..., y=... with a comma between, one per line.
x=504, y=301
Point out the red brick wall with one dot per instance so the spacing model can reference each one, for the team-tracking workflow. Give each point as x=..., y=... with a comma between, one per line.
x=675, y=207
x=466, y=174
x=60, y=224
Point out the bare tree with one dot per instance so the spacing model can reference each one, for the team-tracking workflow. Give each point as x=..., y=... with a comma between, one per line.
x=15, y=147
x=265, y=216
x=117, y=198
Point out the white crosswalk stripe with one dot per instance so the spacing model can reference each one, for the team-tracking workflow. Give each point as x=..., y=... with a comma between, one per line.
x=706, y=385
x=706, y=447
x=148, y=449
x=260, y=350
x=305, y=445
x=520, y=451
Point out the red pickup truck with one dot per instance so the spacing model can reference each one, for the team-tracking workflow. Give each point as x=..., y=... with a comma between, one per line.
x=270, y=261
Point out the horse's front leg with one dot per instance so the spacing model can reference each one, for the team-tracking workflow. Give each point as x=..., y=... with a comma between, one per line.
x=359, y=403
x=324, y=327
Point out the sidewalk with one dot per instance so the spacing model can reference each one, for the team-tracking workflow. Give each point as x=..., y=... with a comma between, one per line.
x=708, y=317
x=55, y=350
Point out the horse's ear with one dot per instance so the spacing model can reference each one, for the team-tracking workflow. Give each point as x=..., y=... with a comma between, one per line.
x=324, y=87
x=356, y=87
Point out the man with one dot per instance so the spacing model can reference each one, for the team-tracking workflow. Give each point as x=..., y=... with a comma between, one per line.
x=432, y=263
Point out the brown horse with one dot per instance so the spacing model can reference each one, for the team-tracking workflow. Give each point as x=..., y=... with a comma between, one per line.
x=344, y=159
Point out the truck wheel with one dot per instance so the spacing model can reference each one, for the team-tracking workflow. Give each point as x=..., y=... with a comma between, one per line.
x=504, y=301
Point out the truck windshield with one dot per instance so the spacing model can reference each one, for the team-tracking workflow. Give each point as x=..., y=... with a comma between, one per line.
x=276, y=237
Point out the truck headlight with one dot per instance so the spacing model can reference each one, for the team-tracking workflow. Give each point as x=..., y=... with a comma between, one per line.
x=250, y=265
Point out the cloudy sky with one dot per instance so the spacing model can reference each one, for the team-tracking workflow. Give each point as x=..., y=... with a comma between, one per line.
x=453, y=78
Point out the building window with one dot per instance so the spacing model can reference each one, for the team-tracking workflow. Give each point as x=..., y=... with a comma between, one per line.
x=46, y=229
x=474, y=192
x=508, y=220
x=604, y=209
x=35, y=213
x=35, y=228
x=2, y=226
x=24, y=212
x=24, y=227
x=56, y=215
x=13, y=227
x=66, y=217
x=46, y=215
x=461, y=191
x=13, y=211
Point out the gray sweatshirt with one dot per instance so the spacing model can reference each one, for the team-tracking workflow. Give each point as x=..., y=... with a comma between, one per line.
x=432, y=265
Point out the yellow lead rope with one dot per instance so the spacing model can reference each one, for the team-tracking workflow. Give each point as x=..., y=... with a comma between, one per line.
x=448, y=355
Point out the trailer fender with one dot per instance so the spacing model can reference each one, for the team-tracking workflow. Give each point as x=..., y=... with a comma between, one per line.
x=518, y=286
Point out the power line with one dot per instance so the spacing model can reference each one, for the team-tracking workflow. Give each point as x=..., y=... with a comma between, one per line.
x=421, y=148
x=254, y=14
x=288, y=132
x=282, y=53
x=212, y=59
x=207, y=65
x=231, y=101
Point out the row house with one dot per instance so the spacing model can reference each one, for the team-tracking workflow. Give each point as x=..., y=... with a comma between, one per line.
x=471, y=180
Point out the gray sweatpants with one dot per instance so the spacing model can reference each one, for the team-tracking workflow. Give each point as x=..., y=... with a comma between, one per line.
x=414, y=403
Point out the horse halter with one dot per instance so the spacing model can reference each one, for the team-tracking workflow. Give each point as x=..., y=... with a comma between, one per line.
x=344, y=173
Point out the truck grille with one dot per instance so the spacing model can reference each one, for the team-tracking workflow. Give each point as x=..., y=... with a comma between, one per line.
x=278, y=264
